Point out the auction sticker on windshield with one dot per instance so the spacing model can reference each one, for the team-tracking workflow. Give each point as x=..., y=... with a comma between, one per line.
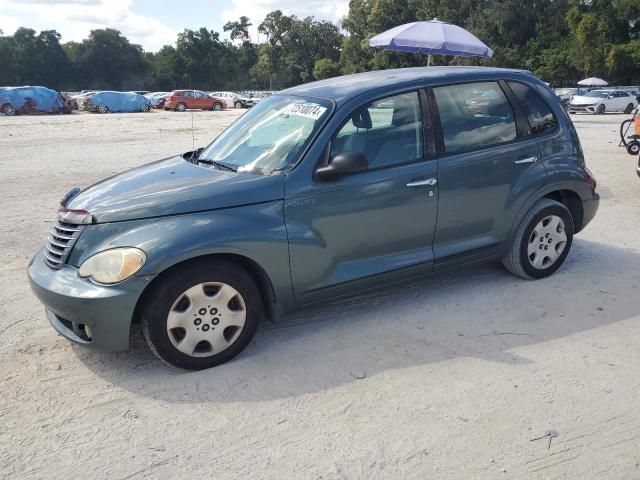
x=307, y=110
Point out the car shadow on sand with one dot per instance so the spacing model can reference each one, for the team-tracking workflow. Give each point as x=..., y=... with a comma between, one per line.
x=481, y=312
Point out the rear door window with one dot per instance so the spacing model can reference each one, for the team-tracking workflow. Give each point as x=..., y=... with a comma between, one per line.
x=537, y=111
x=474, y=116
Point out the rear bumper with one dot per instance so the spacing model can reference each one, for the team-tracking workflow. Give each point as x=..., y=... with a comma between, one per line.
x=94, y=316
x=589, y=210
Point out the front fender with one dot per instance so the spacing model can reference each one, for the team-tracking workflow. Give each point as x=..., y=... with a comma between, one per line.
x=256, y=232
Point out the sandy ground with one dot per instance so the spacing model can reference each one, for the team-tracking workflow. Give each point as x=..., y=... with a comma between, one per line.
x=449, y=377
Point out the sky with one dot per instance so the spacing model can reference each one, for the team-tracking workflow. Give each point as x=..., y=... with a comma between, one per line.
x=152, y=23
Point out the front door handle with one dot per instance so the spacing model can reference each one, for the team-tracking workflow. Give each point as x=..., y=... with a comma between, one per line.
x=533, y=159
x=429, y=182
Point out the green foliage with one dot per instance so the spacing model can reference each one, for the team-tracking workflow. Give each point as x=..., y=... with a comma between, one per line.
x=325, y=68
x=561, y=41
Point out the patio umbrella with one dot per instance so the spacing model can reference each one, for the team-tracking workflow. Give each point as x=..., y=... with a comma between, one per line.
x=593, y=82
x=432, y=37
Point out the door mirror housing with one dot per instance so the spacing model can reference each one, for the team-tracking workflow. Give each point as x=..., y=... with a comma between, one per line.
x=346, y=163
x=193, y=155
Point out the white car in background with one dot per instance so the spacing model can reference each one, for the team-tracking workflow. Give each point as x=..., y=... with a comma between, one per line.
x=601, y=101
x=230, y=99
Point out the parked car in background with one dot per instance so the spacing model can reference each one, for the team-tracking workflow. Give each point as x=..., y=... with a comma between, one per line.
x=181, y=100
x=244, y=101
x=157, y=99
x=601, y=101
x=113, y=102
x=565, y=94
x=314, y=194
x=229, y=98
x=31, y=100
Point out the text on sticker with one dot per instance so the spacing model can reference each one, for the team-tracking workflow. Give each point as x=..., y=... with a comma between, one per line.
x=308, y=110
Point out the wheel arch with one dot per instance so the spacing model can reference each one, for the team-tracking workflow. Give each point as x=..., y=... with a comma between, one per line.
x=262, y=279
x=564, y=194
x=572, y=201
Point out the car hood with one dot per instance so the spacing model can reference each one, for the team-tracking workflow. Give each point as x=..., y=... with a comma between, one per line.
x=174, y=186
x=580, y=100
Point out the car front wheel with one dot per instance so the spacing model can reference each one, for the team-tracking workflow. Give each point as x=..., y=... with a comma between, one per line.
x=9, y=110
x=542, y=242
x=201, y=314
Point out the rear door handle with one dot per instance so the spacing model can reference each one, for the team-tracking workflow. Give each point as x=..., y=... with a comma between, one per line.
x=533, y=159
x=429, y=182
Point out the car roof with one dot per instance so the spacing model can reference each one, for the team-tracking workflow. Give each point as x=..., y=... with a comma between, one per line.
x=341, y=89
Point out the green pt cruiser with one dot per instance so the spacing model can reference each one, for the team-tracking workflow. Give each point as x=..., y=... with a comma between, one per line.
x=321, y=191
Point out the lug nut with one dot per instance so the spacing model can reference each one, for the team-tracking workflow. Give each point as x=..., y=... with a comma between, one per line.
x=215, y=321
x=213, y=311
x=205, y=327
x=202, y=311
x=197, y=321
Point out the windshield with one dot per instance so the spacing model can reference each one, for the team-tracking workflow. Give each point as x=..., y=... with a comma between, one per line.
x=597, y=94
x=270, y=136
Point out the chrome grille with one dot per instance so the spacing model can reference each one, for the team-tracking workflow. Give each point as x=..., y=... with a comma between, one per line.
x=60, y=242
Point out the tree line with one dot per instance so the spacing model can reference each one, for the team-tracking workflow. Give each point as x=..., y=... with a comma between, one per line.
x=561, y=41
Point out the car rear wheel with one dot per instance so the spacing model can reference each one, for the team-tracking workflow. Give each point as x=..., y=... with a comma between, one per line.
x=217, y=107
x=629, y=108
x=600, y=110
x=8, y=110
x=102, y=108
x=146, y=108
x=238, y=105
x=201, y=315
x=542, y=242
x=181, y=107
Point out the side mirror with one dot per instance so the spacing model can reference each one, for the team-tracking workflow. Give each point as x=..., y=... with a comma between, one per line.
x=346, y=163
x=192, y=156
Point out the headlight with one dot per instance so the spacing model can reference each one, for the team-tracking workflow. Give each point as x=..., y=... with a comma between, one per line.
x=113, y=266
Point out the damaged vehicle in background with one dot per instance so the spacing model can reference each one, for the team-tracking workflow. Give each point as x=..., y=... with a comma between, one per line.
x=115, y=102
x=32, y=100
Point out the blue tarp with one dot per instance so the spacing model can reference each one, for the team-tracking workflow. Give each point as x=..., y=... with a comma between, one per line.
x=118, y=101
x=31, y=99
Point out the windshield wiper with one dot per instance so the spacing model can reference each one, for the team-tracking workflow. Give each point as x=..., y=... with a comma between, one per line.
x=220, y=165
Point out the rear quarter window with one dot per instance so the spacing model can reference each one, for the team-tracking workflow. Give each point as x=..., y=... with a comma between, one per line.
x=539, y=115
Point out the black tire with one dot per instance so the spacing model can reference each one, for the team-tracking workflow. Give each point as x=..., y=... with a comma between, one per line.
x=8, y=110
x=217, y=107
x=146, y=108
x=516, y=258
x=181, y=107
x=600, y=109
x=238, y=105
x=102, y=109
x=158, y=302
x=629, y=108
x=624, y=130
x=633, y=148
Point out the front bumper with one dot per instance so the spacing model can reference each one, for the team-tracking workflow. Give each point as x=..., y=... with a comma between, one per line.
x=73, y=304
x=582, y=108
